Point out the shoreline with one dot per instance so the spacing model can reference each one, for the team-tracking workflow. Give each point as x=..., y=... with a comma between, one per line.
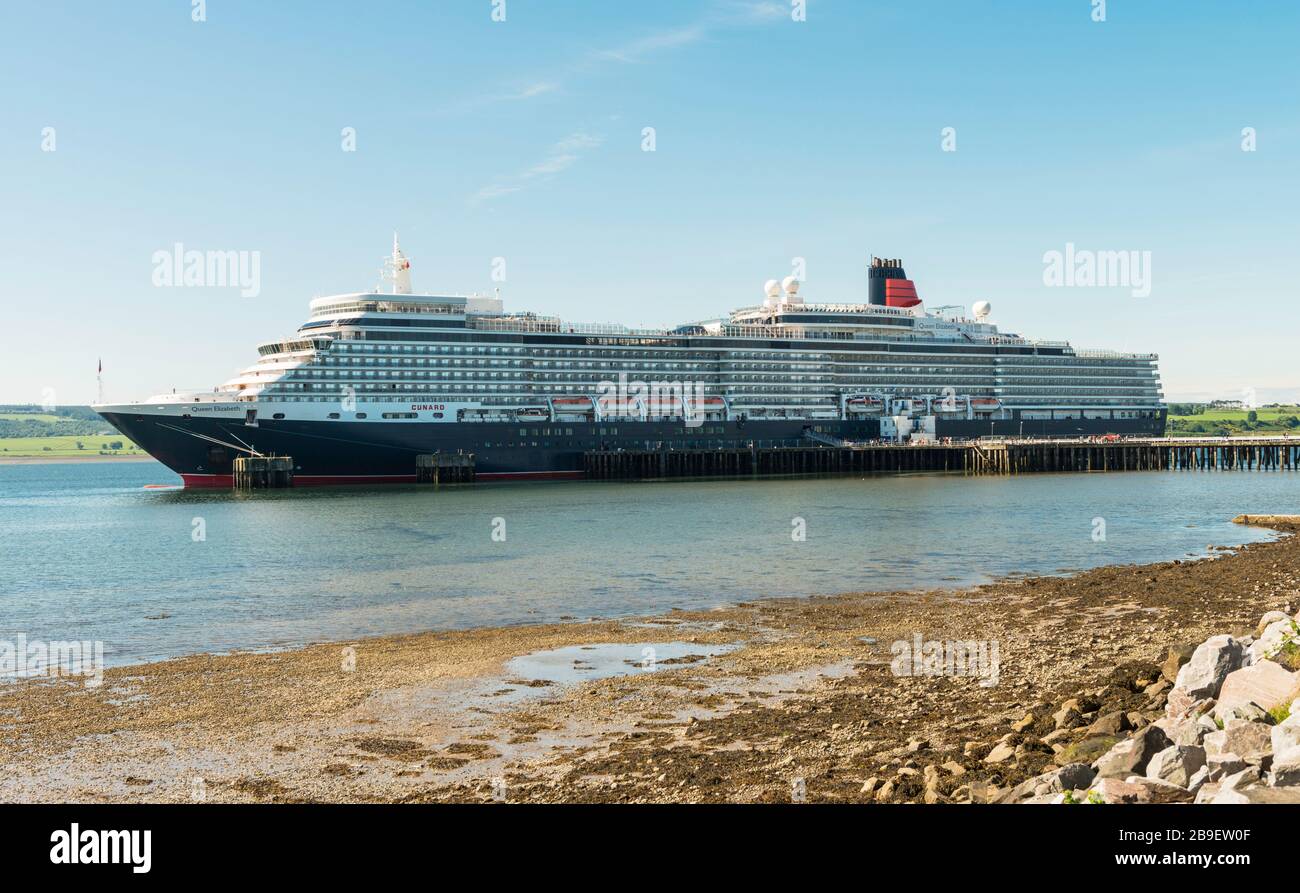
x=1212, y=551
x=72, y=460
x=759, y=701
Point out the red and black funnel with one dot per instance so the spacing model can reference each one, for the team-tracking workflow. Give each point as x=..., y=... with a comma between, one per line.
x=888, y=284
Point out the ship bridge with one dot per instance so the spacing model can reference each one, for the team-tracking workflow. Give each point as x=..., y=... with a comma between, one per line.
x=377, y=302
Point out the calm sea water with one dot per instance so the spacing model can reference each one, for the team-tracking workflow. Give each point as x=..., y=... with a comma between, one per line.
x=89, y=553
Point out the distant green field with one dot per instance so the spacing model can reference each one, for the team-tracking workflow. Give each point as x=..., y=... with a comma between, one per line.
x=65, y=446
x=29, y=416
x=1216, y=421
x=1269, y=414
x=33, y=432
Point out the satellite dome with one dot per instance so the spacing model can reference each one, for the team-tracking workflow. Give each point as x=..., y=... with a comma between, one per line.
x=981, y=309
x=771, y=288
x=791, y=285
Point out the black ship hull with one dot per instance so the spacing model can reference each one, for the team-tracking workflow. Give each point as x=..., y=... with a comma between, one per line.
x=202, y=450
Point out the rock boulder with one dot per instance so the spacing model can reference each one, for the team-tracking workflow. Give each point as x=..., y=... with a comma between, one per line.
x=1130, y=757
x=1075, y=776
x=1177, y=656
x=1209, y=665
x=1136, y=789
x=1258, y=794
x=1266, y=684
x=1268, y=620
x=1251, y=741
x=1271, y=639
x=1176, y=764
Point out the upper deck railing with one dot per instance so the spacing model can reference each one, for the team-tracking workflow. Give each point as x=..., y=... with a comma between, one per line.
x=1114, y=355
x=812, y=307
x=531, y=324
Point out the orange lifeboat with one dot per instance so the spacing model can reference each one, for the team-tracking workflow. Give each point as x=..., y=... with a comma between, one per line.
x=664, y=406
x=950, y=404
x=572, y=404
x=708, y=405
x=864, y=405
x=619, y=407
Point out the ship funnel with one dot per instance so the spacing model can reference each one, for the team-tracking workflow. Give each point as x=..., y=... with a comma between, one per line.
x=881, y=273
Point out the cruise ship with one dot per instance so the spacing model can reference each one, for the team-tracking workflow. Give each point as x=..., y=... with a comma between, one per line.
x=374, y=379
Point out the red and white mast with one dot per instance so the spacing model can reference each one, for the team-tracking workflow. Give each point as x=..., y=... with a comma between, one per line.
x=397, y=270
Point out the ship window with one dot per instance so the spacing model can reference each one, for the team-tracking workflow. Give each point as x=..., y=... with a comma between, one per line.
x=334, y=415
x=361, y=415
x=278, y=415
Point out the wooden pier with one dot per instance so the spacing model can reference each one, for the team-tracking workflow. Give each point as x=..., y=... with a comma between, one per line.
x=263, y=472
x=967, y=457
x=445, y=468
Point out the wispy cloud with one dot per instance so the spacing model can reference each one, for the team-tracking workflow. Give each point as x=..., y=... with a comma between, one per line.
x=537, y=89
x=562, y=156
x=520, y=93
x=722, y=15
x=638, y=49
x=754, y=10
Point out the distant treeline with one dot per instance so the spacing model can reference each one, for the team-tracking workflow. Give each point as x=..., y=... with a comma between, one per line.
x=67, y=420
x=1220, y=419
x=1226, y=429
x=71, y=412
x=1219, y=406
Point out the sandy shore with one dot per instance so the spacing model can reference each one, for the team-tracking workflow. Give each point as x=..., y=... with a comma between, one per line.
x=758, y=702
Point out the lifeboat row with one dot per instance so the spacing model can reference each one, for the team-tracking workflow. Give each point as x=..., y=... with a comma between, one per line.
x=585, y=408
x=873, y=404
x=864, y=405
x=663, y=407
x=715, y=408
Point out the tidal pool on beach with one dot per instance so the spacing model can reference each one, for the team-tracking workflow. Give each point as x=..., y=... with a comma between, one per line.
x=581, y=663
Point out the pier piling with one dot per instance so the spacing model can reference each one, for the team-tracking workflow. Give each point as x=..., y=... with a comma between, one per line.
x=444, y=468
x=263, y=472
x=976, y=457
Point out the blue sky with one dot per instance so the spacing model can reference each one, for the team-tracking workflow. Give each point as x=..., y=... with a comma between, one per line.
x=775, y=139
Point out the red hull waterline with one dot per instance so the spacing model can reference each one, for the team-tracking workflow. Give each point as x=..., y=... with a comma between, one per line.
x=217, y=481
